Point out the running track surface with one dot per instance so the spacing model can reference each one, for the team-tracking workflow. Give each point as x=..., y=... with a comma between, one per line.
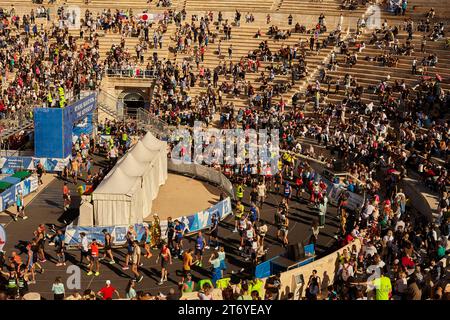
x=47, y=208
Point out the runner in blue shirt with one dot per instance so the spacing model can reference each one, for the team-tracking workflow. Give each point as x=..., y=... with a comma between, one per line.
x=287, y=191
x=179, y=230
x=59, y=247
x=254, y=214
x=200, y=244
x=213, y=232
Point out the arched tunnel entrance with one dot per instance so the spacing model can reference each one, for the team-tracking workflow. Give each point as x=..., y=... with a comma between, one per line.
x=133, y=101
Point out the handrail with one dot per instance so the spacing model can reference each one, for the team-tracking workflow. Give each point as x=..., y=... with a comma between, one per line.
x=111, y=103
x=157, y=126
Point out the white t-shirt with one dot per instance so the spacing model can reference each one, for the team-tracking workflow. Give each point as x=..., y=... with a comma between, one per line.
x=85, y=244
x=347, y=271
x=261, y=190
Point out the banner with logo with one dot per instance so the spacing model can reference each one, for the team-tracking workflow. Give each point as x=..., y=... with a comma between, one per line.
x=8, y=164
x=8, y=197
x=354, y=202
x=194, y=223
x=17, y=163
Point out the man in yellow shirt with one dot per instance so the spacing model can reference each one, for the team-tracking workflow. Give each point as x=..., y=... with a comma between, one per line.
x=239, y=192
x=238, y=215
x=383, y=288
x=381, y=283
x=187, y=262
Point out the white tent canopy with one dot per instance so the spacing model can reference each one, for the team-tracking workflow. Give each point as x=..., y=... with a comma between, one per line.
x=125, y=195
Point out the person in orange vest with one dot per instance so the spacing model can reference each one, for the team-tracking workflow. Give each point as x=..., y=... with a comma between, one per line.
x=94, y=259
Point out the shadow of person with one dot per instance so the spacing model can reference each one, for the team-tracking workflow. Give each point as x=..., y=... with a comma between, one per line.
x=325, y=280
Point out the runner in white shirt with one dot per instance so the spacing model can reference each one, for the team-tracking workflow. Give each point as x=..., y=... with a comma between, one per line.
x=261, y=188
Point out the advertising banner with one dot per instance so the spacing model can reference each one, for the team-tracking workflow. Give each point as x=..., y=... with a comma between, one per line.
x=17, y=163
x=194, y=223
x=30, y=163
x=80, y=109
x=354, y=202
x=8, y=197
x=118, y=234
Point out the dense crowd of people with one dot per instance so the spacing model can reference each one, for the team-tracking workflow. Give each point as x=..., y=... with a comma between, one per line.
x=379, y=133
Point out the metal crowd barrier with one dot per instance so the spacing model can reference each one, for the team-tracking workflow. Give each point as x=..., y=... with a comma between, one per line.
x=202, y=173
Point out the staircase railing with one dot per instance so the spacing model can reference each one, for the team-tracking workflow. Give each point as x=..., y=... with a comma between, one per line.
x=110, y=104
x=151, y=123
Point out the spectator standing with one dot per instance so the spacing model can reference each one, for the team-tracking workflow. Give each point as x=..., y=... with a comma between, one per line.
x=58, y=289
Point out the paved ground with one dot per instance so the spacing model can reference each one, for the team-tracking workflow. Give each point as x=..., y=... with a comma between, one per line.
x=47, y=208
x=183, y=196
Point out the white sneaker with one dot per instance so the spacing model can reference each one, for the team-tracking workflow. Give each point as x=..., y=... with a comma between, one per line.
x=216, y=248
x=207, y=247
x=24, y=217
x=235, y=230
x=240, y=248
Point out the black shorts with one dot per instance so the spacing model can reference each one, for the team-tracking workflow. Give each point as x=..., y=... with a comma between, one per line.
x=186, y=272
x=214, y=233
x=198, y=252
x=12, y=291
x=164, y=263
x=108, y=247
x=59, y=249
x=178, y=240
x=85, y=253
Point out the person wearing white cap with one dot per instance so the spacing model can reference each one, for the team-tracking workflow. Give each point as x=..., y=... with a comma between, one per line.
x=108, y=291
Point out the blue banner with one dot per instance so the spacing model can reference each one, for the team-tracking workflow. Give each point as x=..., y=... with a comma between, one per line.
x=80, y=109
x=193, y=223
x=17, y=163
x=84, y=127
x=54, y=127
x=8, y=197
x=50, y=164
x=118, y=234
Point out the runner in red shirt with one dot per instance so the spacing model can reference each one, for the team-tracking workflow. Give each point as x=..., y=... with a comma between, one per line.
x=66, y=196
x=94, y=259
x=108, y=291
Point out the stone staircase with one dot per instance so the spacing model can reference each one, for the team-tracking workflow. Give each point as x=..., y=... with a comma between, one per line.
x=243, y=40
